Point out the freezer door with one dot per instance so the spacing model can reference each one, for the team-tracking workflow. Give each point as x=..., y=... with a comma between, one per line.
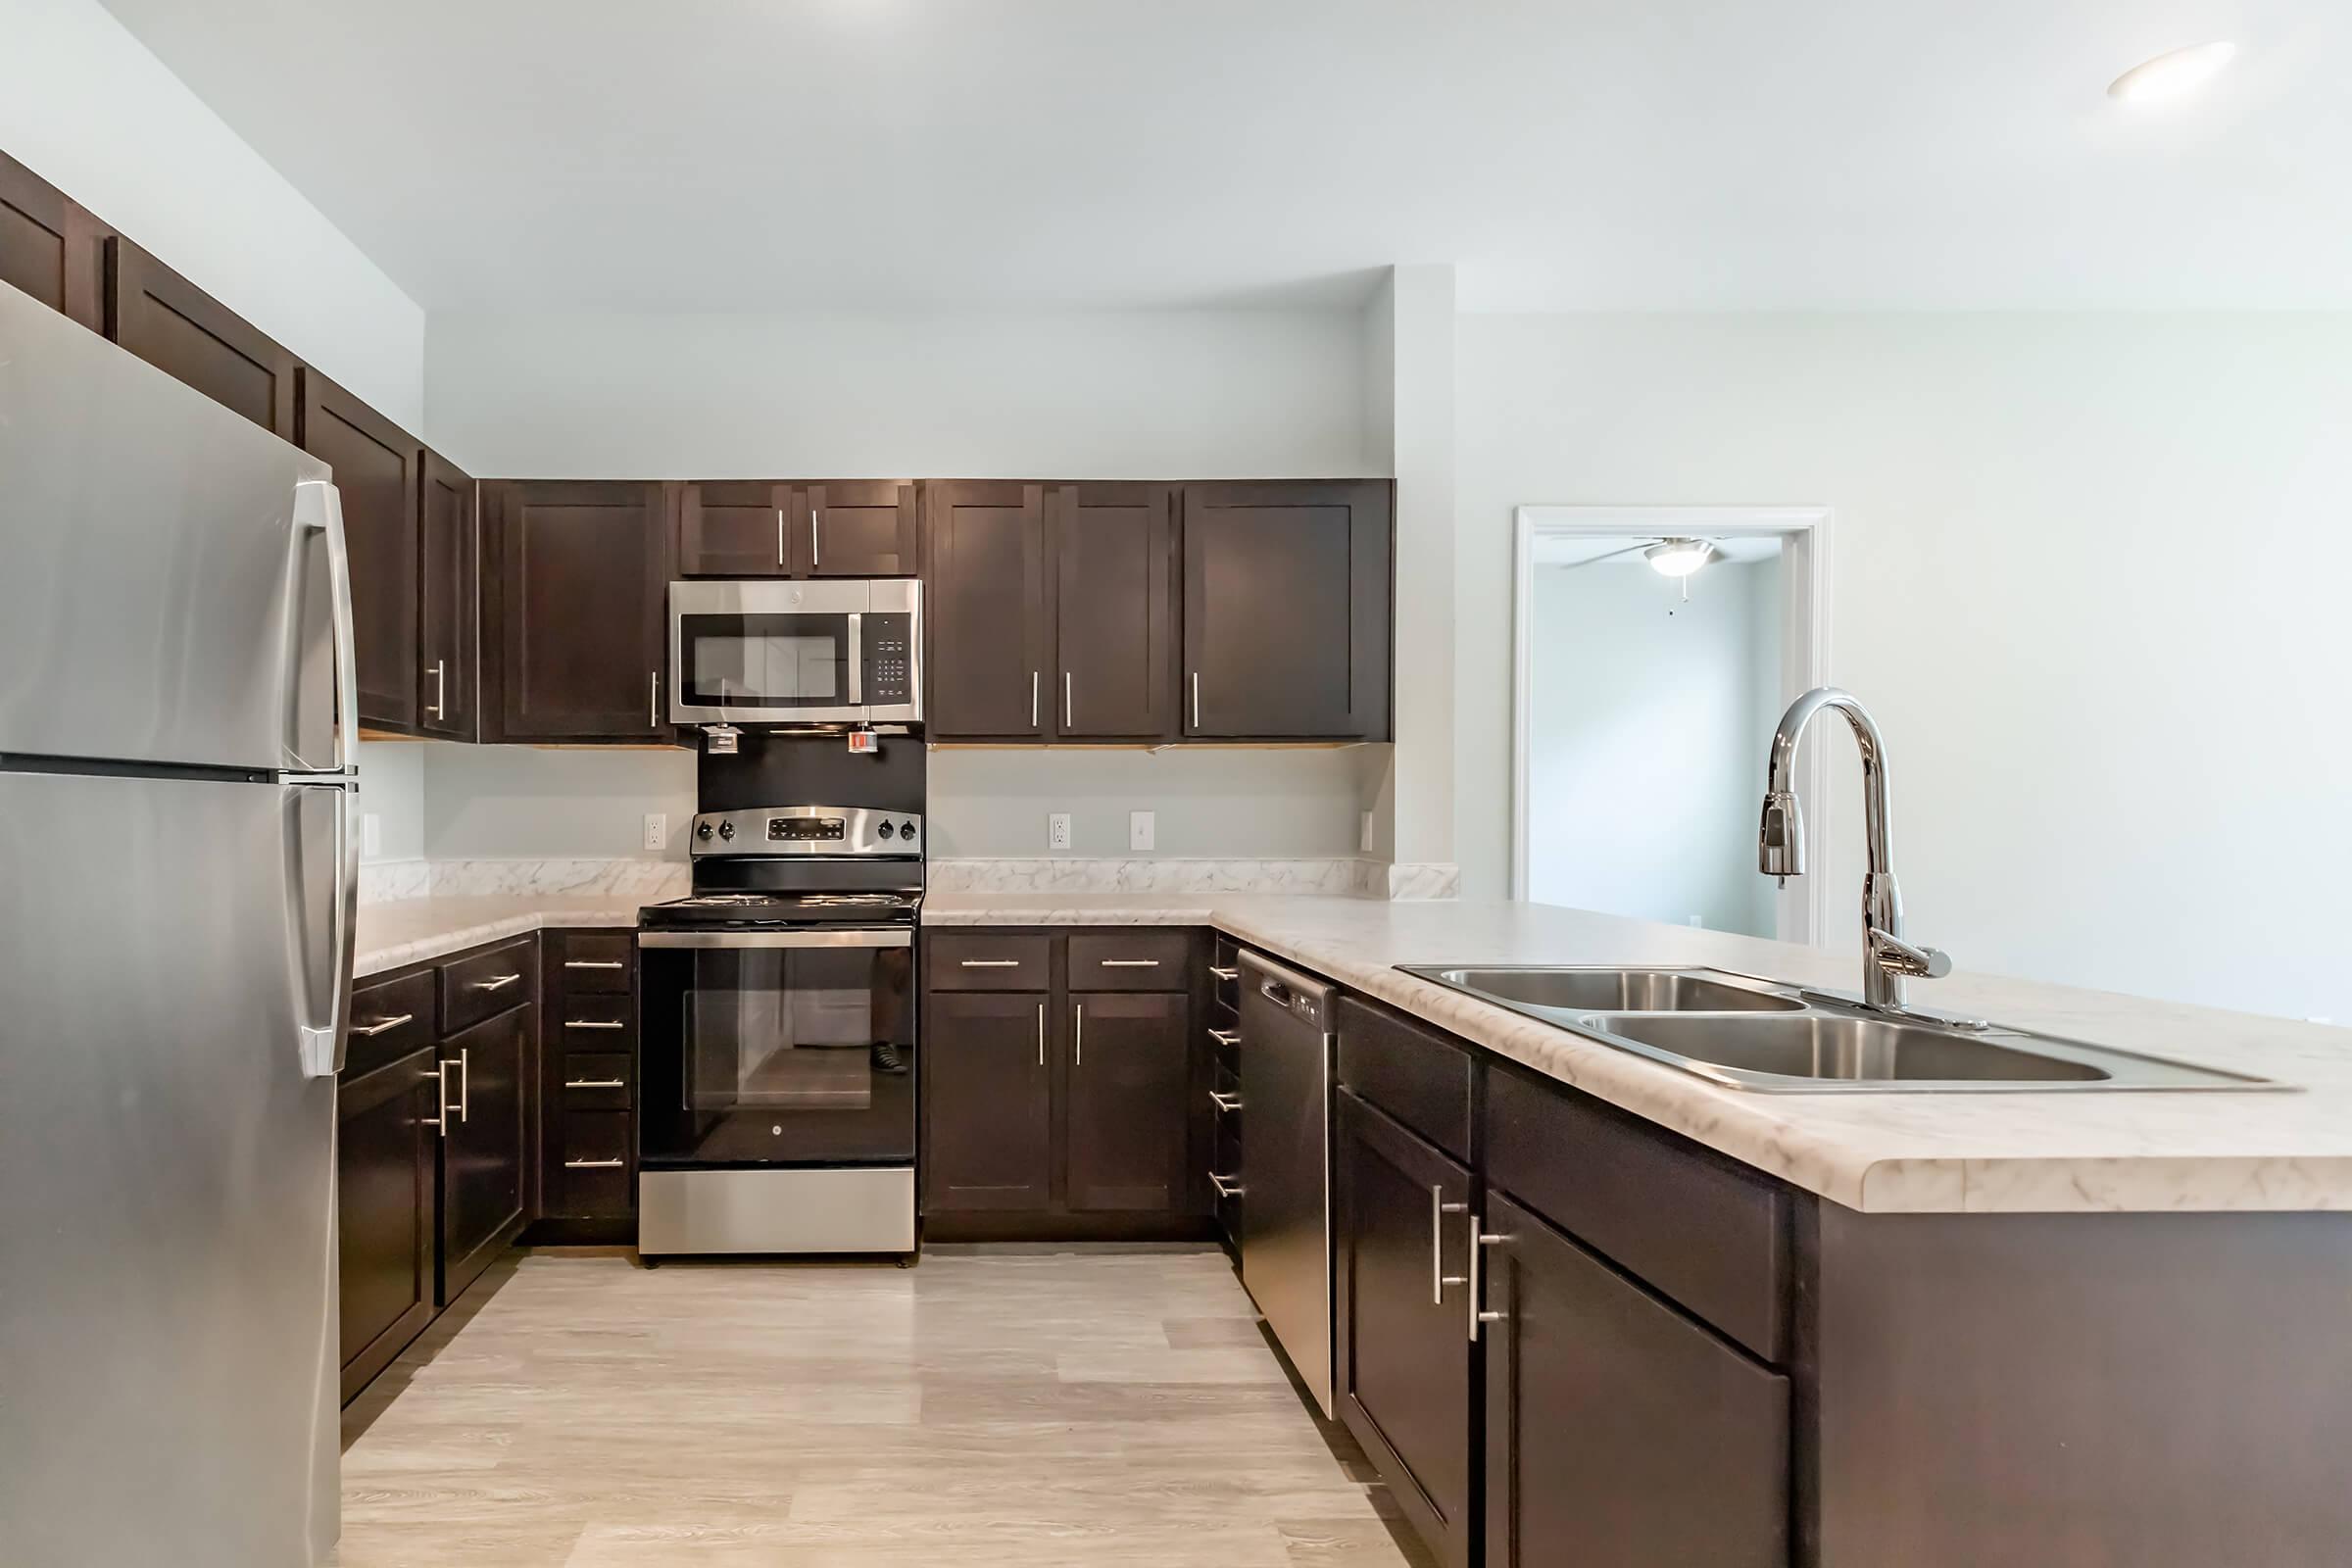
x=163, y=602
x=167, y=1310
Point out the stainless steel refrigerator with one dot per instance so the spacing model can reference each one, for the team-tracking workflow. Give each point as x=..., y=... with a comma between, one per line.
x=177, y=878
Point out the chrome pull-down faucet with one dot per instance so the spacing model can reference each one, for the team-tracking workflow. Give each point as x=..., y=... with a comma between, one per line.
x=1780, y=847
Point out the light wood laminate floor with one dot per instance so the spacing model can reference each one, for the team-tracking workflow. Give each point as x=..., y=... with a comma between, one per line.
x=985, y=1407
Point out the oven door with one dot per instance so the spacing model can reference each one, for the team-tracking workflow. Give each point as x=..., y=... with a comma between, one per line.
x=778, y=1048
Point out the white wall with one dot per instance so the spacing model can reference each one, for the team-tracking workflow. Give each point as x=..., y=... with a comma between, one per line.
x=2087, y=571
x=392, y=791
x=1258, y=394
x=502, y=802
x=87, y=108
x=1650, y=719
x=1211, y=802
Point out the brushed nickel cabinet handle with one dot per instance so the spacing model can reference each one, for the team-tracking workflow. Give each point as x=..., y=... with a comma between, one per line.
x=779, y=536
x=1130, y=964
x=440, y=674
x=440, y=1077
x=1223, y=974
x=1195, y=699
x=817, y=553
x=1225, y=1037
x=653, y=698
x=1070, y=716
x=464, y=1083
x=596, y=1083
x=989, y=963
x=383, y=1025
x=1479, y=1241
x=496, y=982
x=1033, y=679
x=1226, y=1186
x=1078, y=1012
x=594, y=1164
x=1438, y=1279
x=593, y=1023
x=1224, y=1102
x=1041, y=1034
x=594, y=964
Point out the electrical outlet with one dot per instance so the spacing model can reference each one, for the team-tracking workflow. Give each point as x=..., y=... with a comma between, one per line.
x=372, y=833
x=1142, y=826
x=1058, y=831
x=656, y=830
x=1363, y=833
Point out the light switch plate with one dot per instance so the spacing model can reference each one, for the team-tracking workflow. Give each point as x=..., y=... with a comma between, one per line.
x=1057, y=830
x=372, y=833
x=656, y=830
x=1142, y=829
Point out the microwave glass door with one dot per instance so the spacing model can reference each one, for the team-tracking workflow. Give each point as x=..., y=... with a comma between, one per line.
x=763, y=660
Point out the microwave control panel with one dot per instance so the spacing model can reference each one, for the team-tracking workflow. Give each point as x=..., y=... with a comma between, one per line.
x=887, y=646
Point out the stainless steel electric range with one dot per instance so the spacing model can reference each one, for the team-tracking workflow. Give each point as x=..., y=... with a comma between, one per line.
x=777, y=1037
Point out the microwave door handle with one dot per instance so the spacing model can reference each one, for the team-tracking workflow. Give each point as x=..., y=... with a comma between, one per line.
x=857, y=651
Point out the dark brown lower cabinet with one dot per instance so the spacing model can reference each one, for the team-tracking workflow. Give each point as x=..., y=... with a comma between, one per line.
x=1401, y=1241
x=484, y=1143
x=1129, y=1063
x=988, y=1101
x=1619, y=1432
x=386, y=1150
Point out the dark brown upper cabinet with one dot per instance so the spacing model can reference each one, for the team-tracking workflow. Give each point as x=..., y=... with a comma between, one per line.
x=187, y=334
x=1113, y=550
x=574, y=634
x=735, y=529
x=1286, y=610
x=375, y=464
x=988, y=610
x=448, y=667
x=50, y=247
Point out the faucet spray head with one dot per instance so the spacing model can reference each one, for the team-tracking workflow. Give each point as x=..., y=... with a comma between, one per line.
x=1781, y=837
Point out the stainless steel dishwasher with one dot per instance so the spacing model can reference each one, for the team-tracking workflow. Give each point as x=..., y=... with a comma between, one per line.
x=1285, y=1058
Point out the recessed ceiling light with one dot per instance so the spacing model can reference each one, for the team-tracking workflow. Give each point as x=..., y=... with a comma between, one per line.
x=1679, y=558
x=2171, y=75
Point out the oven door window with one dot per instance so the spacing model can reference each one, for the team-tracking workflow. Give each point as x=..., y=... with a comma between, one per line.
x=779, y=661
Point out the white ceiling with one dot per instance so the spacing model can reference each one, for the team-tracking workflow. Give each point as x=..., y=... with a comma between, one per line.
x=780, y=155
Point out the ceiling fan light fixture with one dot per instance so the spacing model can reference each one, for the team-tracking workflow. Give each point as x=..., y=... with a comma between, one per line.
x=1678, y=558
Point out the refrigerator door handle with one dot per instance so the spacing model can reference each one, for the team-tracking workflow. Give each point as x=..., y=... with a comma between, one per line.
x=321, y=1045
x=319, y=509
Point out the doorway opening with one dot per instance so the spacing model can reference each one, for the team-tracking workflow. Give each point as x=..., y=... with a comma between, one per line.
x=1656, y=647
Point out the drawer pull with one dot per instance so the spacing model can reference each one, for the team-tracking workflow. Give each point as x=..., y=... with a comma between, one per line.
x=1225, y=1037
x=990, y=963
x=1226, y=1186
x=1130, y=964
x=1223, y=974
x=596, y=1083
x=498, y=982
x=383, y=1025
x=593, y=963
x=1224, y=1102
x=594, y=1164
x=593, y=1023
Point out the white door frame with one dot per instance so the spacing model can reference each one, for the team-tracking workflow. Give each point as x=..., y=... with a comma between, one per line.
x=1804, y=648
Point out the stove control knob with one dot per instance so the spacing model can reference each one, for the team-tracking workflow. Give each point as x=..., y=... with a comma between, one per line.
x=702, y=830
x=726, y=830
x=886, y=830
x=907, y=828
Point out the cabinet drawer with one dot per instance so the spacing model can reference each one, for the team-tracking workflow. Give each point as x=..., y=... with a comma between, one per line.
x=388, y=1019
x=1129, y=961
x=592, y=1178
x=595, y=961
x=594, y=1079
x=970, y=961
x=487, y=984
x=1711, y=1235
x=1418, y=1076
x=598, y=1021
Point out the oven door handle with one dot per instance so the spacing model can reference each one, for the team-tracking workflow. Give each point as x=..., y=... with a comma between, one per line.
x=899, y=938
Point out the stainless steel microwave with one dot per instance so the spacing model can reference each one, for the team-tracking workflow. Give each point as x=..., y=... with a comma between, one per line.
x=839, y=651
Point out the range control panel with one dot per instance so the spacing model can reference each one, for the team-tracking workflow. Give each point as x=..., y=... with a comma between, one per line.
x=889, y=658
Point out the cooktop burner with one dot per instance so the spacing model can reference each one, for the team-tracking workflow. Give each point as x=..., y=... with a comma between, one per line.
x=799, y=865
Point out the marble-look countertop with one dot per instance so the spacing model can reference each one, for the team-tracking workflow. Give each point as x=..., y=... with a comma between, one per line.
x=408, y=931
x=2055, y=1151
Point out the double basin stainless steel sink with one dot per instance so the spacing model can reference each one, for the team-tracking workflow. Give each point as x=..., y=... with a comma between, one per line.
x=1761, y=1035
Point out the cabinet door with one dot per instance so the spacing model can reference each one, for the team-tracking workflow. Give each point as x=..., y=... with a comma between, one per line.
x=1619, y=1432
x=734, y=528
x=854, y=528
x=187, y=334
x=1112, y=546
x=447, y=599
x=50, y=248
x=1286, y=609
x=482, y=1156
x=988, y=1100
x=1127, y=1114
x=581, y=591
x=384, y=1173
x=375, y=466
x=1400, y=1239
x=990, y=610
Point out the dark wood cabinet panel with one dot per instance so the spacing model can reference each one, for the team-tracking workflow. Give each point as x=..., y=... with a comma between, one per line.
x=854, y=528
x=1126, y=1116
x=385, y=1162
x=187, y=334
x=1618, y=1432
x=988, y=1101
x=448, y=671
x=1401, y=1241
x=587, y=1148
x=1115, y=547
x=376, y=467
x=486, y=1134
x=734, y=528
x=574, y=632
x=1287, y=620
x=990, y=619
x=50, y=247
